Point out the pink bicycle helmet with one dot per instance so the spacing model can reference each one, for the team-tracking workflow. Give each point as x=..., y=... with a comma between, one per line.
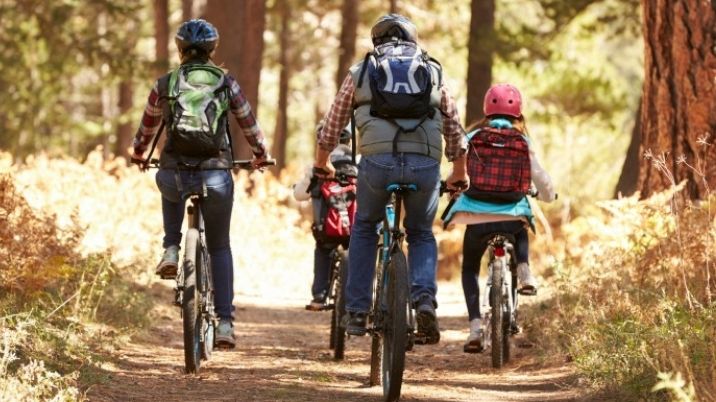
x=503, y=99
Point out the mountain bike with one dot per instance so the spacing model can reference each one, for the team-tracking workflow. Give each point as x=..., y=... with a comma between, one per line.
x=500, y=297
x=392, y=322
x=335, y=301
x=194, y=291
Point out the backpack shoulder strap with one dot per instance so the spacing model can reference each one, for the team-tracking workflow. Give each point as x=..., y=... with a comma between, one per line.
x=366, y=59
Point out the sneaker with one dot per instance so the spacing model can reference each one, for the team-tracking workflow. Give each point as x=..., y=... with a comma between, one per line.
x=527, y=282
x=317, y=304
x=224, y=334
x=356, y=324
x=476, y=340
x=428, y=332
x=169, y=264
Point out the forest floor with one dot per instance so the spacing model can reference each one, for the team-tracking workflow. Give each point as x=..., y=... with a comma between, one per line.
x=282, y=355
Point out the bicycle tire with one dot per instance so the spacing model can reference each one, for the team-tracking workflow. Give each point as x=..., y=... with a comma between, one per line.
x=497, y=317
x=332, y=288
x=339, y=308
x=376, y=356
x=190, y=304
x=205, y=287
x=395, y=326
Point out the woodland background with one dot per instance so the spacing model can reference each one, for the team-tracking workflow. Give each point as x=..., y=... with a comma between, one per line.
x=620, y=99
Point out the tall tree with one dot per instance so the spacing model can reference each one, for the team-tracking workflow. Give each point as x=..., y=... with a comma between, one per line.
x=481, y=46
x=161, y=36
x=281, y=130
x=241, y=27
x=124, y=129
x=679, y=102
x=393, y=6
x=629, y=178
x=347, y=49
x=187, y=9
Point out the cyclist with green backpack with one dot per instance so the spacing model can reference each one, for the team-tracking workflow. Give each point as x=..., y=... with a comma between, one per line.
x=193, y=104
x=403, y=112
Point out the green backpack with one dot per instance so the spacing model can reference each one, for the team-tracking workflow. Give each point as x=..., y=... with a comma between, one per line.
x=198, y=100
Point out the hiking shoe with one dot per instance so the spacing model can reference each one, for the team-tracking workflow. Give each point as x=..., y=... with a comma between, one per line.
x=317, y=304
x=356, y=324
x=224, y=334
x=527, y=282
x=428, y=331
x=476, y=340
x=169, y=264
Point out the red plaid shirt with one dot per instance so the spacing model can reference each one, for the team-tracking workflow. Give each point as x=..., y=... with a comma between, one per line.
x=238, y=104
x=340, y=114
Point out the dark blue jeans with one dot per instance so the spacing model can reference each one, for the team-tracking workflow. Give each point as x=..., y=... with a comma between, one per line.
x=376, y=172
x=216, y=209
x=474, y=246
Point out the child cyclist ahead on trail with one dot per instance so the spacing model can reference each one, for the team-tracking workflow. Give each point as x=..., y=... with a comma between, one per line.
x=501, y=166
x=403, y=111
x=333, y=206
x=192, y=102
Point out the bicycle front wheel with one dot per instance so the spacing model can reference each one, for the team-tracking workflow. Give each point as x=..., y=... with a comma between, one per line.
x=395, y=328
x=191, y=317
x=339, y=308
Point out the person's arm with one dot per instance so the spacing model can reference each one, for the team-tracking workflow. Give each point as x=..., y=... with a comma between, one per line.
x=455, y=140
x=541, y=179
x=241, y=110
x=300, y=189
x=151, y=120
x=336, y=119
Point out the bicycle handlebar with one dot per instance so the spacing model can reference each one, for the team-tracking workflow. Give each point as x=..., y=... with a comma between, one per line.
x=246, y=164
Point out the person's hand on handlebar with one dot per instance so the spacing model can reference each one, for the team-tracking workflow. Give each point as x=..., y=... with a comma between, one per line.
x=138, y=160
x=259, y=162
x=326, y=171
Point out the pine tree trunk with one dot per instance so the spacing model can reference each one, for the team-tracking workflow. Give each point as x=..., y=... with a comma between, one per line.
x=347, y=49
x=124, y=129
x=161, y=36
x=629, y=178
x=679, y=103
x=481, y=46
x=393, y=6
x=281, y=131
x=187, y=7
x=241, y=26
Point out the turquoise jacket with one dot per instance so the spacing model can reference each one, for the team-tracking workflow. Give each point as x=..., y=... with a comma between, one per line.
x=471, y=205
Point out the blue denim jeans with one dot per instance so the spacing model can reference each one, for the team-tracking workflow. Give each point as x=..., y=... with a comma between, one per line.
x=376, y=172
x=216, y=209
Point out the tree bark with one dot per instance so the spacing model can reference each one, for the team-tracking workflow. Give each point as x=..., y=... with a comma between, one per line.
x=629, y=178
x=281, y=130
x=124, y=129
x=481, y=46
x=347, y=49
x=187, y=7
x=393, y=6
x=241, y=26
x=161, y=36
x=679, y=104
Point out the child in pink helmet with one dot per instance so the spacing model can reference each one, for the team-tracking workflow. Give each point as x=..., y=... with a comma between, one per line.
x=484, y=216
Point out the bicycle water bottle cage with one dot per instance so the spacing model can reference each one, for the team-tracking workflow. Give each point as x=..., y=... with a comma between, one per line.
x=401, y=188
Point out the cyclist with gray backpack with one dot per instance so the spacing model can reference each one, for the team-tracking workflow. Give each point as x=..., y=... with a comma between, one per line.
x=402, y=111
x=193, y=104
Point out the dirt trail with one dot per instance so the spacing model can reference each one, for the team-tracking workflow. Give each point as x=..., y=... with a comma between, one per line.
x=283, y=355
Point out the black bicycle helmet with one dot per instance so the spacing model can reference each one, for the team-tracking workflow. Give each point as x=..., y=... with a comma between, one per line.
x=198, y=34
x=393, y=26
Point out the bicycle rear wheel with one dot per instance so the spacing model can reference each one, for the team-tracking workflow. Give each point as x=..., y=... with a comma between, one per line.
x=339, y=308
x=206, y=293
x=497, y=317
x=191, y=318
x=395, y=326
